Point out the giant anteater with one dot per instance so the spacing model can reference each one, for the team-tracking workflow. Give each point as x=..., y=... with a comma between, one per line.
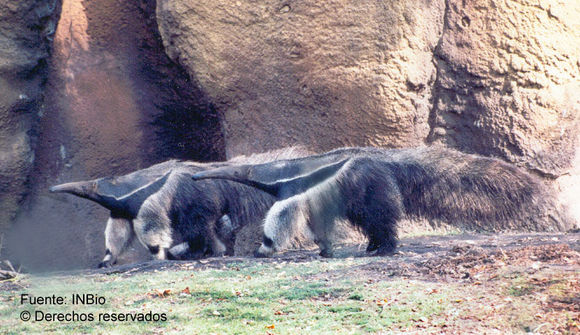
x=375, y=188
x=173, y=216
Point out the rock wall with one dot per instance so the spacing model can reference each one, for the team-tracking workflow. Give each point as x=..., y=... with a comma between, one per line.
x=27, y=28
x=508, y=85
x=114, y=103
x=509, y=82
x=323, y=74
x=498, y=78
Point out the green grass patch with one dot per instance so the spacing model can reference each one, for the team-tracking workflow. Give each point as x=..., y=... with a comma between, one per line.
x=249, y=298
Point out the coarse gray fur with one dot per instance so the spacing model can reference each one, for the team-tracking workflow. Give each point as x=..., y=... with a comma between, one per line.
x=375, y=188
x=173, y=216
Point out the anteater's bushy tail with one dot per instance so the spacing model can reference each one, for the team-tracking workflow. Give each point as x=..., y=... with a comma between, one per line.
x=476, y=192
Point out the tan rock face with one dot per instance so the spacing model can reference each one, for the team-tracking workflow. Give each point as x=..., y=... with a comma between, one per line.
x=509, y=86
x=509, y=82
x=498, y=78
x=319, y=73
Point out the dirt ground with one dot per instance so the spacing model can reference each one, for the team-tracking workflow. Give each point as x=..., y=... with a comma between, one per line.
x=441, y=258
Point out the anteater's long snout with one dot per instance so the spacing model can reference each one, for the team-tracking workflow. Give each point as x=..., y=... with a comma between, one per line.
x=81, y=188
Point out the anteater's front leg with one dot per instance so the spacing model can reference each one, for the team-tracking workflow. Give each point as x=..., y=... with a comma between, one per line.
x=118, y=234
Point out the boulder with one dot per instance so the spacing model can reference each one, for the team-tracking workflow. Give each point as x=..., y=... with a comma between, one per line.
x=320, y=73
x=508, y=85
x=509, y=82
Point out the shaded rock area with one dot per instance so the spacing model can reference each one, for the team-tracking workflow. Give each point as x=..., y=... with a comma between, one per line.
x=115, y=103
x=27, y=29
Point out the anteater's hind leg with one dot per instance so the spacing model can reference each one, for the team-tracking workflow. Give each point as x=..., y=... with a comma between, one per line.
x=382, y=234
x=382, y=230
x=383, y=217
x=373, y=244
x=376, y=211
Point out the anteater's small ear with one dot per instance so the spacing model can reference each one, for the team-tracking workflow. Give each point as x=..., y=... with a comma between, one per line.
x=198, y=176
